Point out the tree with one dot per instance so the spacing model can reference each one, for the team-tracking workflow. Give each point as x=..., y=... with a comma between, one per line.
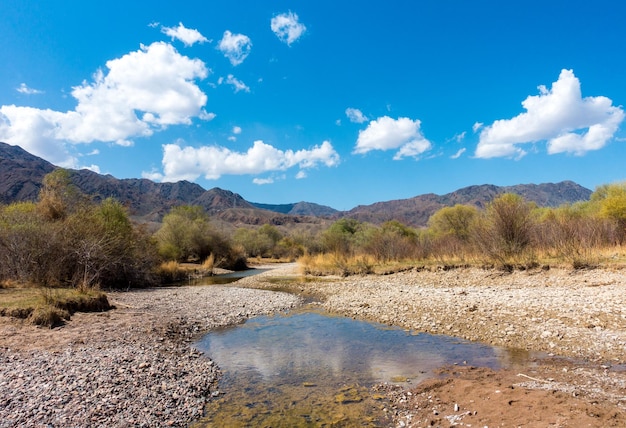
x=261, y=242
x=341, y=236
x=58, y=195
x=391, y=241
x=453, y=221
x=186, y=235
x=30, y=247
x=611, y=199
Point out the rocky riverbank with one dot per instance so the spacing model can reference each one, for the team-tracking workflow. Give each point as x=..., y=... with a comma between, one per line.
x=131, y=366
x=579, y=314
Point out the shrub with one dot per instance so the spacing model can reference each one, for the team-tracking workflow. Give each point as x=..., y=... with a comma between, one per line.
x=504, y=231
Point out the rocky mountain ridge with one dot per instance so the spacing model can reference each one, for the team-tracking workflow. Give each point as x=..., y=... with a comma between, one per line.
x=21, y=174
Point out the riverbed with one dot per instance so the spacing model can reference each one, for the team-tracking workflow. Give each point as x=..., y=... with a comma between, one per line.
x=135, y=365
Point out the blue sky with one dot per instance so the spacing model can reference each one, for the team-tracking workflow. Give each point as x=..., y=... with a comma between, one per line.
x=338, y=103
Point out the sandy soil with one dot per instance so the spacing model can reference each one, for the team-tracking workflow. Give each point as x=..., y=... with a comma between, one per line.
x=577, y=319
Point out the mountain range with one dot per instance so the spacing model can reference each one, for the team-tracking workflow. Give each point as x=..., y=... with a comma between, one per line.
x=21, y=175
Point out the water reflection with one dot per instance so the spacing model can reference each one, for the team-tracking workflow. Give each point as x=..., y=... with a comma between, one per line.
x=297, y=365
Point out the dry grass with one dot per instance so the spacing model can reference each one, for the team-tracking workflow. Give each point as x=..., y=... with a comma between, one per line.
x=172, y=272
x=49, y=307
x=334, y=264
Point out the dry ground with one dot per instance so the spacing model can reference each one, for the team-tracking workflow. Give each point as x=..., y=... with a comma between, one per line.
x=580, y=315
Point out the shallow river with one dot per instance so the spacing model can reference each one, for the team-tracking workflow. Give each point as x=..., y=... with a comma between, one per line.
x=310, y=368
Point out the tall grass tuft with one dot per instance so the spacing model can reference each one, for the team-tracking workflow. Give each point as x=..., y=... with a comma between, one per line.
x=336, y=264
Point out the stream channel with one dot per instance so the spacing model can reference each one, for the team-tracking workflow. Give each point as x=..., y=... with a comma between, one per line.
x=310, y=368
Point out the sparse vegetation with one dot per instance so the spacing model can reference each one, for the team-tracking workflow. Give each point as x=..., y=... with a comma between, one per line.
x=509, y=233
x=67, y=240
x=49, y=307
x=186, y=235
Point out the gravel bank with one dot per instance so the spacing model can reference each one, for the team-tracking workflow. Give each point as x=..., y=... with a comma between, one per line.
x=132, y=366
x=573, y=313
x=565, y=312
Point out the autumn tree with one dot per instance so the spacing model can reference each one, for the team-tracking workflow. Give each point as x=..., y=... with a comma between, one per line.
x=611, y=200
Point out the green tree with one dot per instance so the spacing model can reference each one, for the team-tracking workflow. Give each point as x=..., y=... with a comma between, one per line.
x=611, y=200
x=453, y=221
x=342, y=236
x=187, y=235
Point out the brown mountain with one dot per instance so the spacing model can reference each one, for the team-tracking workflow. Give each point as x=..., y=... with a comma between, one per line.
x=21, y=175
x=416, y=211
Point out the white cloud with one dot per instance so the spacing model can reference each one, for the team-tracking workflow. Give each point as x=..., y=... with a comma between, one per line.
x=300, y=175
x=235, y=47
x=355, y=115
x=153, y=175
x=477, y=126
x=92, y=167
x=35, y=131
x=236, y=130
x=237, y=84
x=386, y=133
x=23, y=89
x=560, y=116
x=143, y=91
x=207, y=116
x=287, y=27
x=186, y=35
x=261, y=181
x=458, y=154
x=212, y=162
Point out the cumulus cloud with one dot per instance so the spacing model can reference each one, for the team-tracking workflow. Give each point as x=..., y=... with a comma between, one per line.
x=142, y=92
x=287, y=27
x=212, y=162
x=386, y=133
x=186, y=35
x=560, y=116
x=24, y=89
x=235, y=47
x=355, y=115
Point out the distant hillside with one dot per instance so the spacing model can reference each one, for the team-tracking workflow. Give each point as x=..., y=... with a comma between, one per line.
x=300, y=208
x=21, y=175
x=416, y=211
